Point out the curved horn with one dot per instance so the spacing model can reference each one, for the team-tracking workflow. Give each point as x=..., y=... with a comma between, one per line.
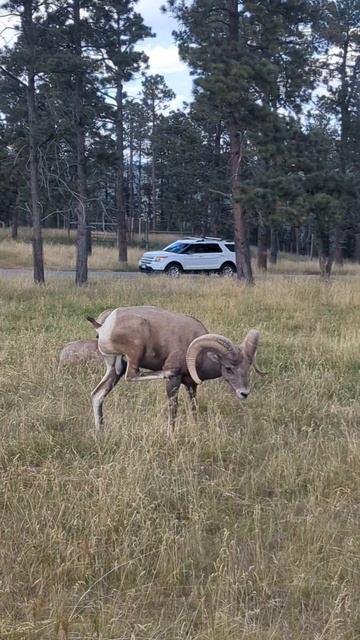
x=211, y=341
x=250, y=345
x=258, y=371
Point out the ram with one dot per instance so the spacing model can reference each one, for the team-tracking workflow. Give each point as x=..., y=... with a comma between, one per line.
x=175, y=347
x=80, y=352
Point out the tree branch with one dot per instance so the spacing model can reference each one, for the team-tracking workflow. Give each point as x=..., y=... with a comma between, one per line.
x=226, y=195
x=13, y=77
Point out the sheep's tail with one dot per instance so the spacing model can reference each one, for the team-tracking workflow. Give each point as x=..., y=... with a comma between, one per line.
x=93, y=322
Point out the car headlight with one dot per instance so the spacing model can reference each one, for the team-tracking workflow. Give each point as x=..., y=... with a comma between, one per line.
x=160, y=258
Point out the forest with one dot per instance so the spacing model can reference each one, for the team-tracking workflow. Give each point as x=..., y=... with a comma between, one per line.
x=267, y=152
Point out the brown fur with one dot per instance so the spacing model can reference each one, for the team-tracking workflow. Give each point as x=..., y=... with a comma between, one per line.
x=150, y=338
x=80, y=352
x=135, y=338
x=83, y=351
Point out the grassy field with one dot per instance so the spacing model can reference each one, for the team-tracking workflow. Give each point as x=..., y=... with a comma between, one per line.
x=59, y=250
x=59, y=253
x=245, y=527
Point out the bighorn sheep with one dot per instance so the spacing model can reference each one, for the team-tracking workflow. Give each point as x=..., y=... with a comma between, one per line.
x=83, y=351
x=175, y=347
x=80, y=352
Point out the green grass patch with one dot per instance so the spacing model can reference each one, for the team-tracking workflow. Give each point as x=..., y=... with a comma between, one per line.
x=246, y=526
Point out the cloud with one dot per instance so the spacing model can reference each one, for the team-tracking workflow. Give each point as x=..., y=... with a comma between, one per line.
x=165, y=60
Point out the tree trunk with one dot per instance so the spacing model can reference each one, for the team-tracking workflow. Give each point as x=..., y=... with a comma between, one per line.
x=153, y=172
x=274, y=245
x=312, y=247
x=15, y=222
x=339, y=258
x=326, y=263
x=215, y=198
x=81, y=275
x=262, y=247
x=37, y=244
x=131, y=170
x=89, y=241
x=344, y=103
x=357, y=248
x=120, y=205
x=326, y=248
x=139, y=194
x=242, y=248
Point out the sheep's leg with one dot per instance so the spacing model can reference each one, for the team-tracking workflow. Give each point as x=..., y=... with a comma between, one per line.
x=133, y=374
x=191, y=389
x=172, y=390
x=115, y=368
x=161, y=375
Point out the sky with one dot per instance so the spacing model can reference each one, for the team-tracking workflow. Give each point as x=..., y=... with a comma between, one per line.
x=161, y=50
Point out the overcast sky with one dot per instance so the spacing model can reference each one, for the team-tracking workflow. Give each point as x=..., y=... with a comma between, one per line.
x=162, y=50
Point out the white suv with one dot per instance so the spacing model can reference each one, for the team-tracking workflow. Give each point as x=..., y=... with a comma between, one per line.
x=192, y=255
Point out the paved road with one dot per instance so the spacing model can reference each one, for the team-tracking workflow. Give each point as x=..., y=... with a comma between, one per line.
x=64, y=275
x=103, y=275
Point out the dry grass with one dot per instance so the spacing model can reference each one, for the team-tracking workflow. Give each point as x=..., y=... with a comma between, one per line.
x=246, y=527
x=60, y=254
x=296, y=265
x=59, y=250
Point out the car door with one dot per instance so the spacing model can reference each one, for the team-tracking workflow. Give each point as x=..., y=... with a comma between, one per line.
x=212, y=256
x=203, y=257
x=191, y=257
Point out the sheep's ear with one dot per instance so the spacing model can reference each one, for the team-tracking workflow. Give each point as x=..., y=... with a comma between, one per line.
x=250, y=343
x=93, y=322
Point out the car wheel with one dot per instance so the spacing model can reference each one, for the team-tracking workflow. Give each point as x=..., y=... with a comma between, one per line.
x=173, y=270
x=227, y=270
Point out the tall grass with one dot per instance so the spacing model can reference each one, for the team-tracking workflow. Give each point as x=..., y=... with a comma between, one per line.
x=59, y=249
x=59, y=253
x=62, y=256
x=245, y=527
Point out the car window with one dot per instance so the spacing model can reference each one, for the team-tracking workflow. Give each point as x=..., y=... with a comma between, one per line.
x=230, y=246
x=176, y=247
x=193, y=248
x=212, y=248
x=203, y=248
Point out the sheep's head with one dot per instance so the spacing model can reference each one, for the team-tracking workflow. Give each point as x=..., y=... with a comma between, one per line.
x=235, y=361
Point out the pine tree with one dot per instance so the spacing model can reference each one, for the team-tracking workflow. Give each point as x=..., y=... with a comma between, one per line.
x=236, y=50
x=138, y=137
x=182, y=168
x=339, y=27
x=25, y=60
x=155, y=96
x=121, y=28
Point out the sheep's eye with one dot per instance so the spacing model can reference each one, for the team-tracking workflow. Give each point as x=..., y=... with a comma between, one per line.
x=228, y=369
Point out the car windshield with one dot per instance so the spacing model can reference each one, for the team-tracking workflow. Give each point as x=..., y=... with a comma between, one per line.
x=176, y=247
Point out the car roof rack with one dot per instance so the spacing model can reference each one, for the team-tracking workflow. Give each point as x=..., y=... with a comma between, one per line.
x=202, y=238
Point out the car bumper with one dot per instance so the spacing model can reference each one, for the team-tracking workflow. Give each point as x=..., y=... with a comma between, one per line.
x=153, y=268
x=145, y=268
